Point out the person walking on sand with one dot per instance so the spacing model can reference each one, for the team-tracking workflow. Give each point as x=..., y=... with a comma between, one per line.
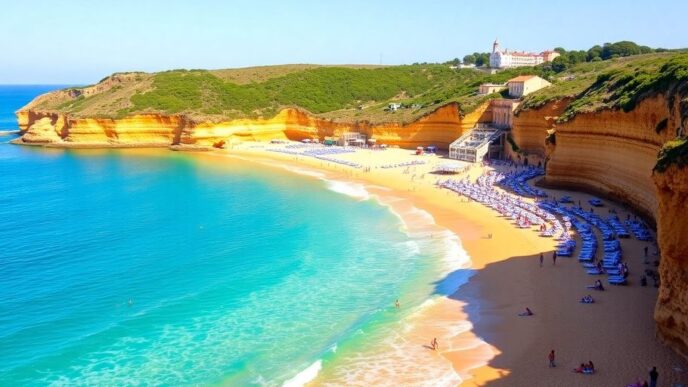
x=434, y=345
x=653, y=377
x=554, y=258
x=542, y=259
x=551, y=359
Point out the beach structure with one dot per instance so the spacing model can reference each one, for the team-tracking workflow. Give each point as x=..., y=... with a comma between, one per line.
x=483, y=140
x=489, y=88
x=525, y=84
x=503, y=112
x=509, y=59
x=352, y=139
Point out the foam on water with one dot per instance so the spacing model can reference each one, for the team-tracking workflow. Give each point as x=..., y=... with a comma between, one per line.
x=304, y=376
x=354, y=190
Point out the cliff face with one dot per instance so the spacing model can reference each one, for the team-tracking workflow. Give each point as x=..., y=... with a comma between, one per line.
x=439, y=128
x=614, y=152
x=671, y=312
x=530, y=127
x=611, y=152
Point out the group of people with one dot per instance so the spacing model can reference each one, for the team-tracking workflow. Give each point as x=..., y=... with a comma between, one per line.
x=585, y=368
x=554, y=258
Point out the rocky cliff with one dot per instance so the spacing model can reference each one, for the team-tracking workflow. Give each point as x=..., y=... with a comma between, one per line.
x=439, y=128
x=613, y=152
x=671, y=312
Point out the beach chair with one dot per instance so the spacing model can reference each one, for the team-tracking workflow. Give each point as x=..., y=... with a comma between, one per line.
x=616, y=281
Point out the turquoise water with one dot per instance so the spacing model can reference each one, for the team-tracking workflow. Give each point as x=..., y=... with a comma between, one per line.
x=141, y=266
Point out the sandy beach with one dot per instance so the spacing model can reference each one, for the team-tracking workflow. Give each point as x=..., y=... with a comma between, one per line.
x=506, y=278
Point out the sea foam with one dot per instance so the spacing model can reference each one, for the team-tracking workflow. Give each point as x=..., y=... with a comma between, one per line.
x=304, y=376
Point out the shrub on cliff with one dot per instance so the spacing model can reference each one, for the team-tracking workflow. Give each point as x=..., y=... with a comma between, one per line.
x=673, y=153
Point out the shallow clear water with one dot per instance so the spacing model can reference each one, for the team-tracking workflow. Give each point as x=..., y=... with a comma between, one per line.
x=133, y=266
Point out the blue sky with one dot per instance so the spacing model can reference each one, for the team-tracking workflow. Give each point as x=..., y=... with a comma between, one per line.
x=79, y=41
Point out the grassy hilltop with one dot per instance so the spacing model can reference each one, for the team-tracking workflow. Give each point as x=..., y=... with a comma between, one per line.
x=354, y=93
x=336, y=92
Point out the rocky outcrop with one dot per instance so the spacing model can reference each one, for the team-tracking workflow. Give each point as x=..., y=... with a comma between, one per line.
x=439, y=128
x=671, y=312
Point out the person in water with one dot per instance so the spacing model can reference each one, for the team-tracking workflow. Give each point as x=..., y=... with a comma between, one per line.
x=396, y=304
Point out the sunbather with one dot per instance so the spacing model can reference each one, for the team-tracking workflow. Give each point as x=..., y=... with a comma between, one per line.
x=528, y=312
x=587, y=300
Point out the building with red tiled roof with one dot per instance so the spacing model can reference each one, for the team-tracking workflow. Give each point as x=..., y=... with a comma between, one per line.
x=525, y=84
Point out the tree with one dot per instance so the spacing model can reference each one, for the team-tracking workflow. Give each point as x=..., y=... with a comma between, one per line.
x=560, y=50
x=469, y=59
x=482, y=59
x=560, y=64
x=575, y=57
x=594, y=52
x=453, y=62
x=623, y=48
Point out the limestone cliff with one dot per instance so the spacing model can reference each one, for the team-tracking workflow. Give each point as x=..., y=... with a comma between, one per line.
x=611, y=152
x=671, y=312
x=614, y=152
x=439, y=128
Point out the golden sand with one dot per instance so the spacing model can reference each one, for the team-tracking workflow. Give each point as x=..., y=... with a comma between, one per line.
x=617, y=332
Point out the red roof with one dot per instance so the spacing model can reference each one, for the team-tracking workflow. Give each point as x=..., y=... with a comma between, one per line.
x=521, y=78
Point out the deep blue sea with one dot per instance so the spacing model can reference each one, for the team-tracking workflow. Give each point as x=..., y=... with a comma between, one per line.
x=155, y=267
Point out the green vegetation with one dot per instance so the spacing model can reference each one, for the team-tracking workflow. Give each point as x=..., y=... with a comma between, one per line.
x=673, y=153
x=568, y=59
x=477, y=58
x=350, y=92
x=613, y=84
x=356, y=93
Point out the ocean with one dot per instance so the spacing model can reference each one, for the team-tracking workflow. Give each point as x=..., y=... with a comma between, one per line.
x=122, y=267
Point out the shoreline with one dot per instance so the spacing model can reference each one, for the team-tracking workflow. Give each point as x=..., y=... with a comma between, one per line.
x=471, y=226
x=490, y=301
x=506, y=279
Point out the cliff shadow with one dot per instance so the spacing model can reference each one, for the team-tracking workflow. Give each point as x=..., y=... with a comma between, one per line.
x=617, y=332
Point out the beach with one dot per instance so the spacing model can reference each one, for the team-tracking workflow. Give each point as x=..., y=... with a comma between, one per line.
x=498, y=347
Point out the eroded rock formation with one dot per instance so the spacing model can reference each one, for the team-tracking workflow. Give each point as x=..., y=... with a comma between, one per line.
x=439, y=128
x=671, y=312
x=610, y=152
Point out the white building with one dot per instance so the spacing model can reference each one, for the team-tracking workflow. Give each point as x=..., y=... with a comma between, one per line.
x=509, y=59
